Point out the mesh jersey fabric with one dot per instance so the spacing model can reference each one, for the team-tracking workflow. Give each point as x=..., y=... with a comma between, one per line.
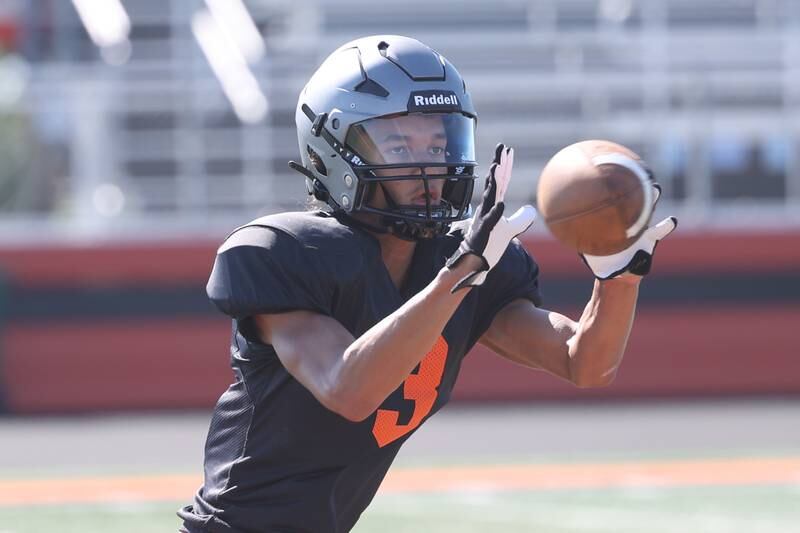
x=276, y=460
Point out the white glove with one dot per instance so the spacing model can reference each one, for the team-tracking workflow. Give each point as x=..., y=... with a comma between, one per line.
x=490, y=232
x=638, y=257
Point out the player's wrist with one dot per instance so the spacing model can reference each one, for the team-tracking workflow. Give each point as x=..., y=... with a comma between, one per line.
x=468, y=263
x=624, y=279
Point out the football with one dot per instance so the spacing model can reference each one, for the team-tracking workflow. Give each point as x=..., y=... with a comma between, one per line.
x=595, y=197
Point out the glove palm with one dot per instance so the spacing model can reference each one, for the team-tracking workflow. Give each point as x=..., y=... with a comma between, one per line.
x=638, y=257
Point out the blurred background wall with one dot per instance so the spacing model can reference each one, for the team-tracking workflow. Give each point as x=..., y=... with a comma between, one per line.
x=134, y=135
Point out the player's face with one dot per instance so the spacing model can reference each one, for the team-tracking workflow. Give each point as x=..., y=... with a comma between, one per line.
x=414, y=139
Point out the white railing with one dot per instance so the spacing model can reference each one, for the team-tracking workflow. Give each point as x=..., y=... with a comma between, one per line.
x=158, y=135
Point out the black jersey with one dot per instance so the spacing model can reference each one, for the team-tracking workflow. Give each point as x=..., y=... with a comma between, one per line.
x=276, y=460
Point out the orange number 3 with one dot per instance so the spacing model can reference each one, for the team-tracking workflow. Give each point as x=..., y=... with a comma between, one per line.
x=421, y=388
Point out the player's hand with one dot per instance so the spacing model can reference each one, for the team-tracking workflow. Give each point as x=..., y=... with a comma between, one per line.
x=638, y=257
x=490, y=232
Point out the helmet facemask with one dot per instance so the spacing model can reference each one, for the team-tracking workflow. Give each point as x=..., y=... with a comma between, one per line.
x=423, y=165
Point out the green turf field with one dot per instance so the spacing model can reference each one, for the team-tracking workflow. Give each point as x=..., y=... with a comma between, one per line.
x=767, y=509
x=671, y=452
x=771, y=509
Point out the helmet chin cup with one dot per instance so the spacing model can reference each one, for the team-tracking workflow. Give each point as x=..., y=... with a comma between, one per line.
x=413, y=231
x=413, y=222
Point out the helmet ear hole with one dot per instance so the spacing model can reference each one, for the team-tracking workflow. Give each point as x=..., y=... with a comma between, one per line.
x=316, y=160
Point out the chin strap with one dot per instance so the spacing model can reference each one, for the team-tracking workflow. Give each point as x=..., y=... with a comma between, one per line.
x=315, y=187
x=294, y=165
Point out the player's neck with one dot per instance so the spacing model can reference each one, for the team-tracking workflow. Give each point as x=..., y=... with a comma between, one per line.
x=397, y=255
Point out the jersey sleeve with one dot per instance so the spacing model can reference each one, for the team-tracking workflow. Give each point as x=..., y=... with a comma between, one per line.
x=515, y=276
x=263, y=270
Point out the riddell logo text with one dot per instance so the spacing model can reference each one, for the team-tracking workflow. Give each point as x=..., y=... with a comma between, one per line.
x=436, y=99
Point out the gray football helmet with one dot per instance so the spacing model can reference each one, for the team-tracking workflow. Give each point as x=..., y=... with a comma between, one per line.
x=354, y=120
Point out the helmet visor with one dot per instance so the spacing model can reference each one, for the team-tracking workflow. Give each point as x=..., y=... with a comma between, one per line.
x=415, y=139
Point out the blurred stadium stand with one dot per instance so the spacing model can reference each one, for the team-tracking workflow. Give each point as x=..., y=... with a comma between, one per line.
x=706, y=91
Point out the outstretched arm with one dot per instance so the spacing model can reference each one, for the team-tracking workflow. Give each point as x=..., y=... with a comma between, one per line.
x=587, y=352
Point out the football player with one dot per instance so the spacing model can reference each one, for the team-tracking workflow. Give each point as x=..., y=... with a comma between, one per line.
x=350, y=323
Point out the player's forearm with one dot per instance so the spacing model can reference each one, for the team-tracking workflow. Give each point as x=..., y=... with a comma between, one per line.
x=596, y=349
x=378, y=361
